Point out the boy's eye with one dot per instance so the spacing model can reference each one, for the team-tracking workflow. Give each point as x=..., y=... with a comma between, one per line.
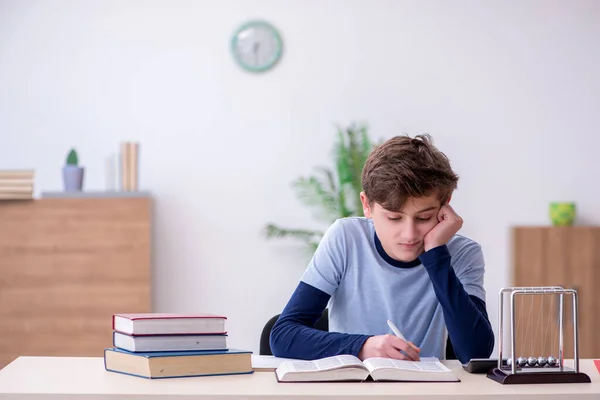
x=420, y=219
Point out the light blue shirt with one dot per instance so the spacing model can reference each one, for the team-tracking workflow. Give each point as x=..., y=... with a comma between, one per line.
x=366, y=290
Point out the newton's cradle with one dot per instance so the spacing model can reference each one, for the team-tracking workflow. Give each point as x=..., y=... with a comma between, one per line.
x=539, y=367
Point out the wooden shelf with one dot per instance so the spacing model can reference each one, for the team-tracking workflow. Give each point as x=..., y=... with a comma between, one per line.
x=94, y=194
x=66, y=265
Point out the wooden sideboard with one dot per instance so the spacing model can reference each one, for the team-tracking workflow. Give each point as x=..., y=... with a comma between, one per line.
x=557, y=256
x=66, y=266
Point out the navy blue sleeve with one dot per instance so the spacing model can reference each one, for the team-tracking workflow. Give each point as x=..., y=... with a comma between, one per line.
x=294, y=335
x=466, y=319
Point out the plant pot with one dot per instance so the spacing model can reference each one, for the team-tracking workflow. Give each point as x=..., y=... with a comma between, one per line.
x=562, y=214
x=73, y=178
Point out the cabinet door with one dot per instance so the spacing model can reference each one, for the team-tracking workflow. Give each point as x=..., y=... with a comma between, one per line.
x=535, y=264
x=67, y=265
x=581, y=268
x=556, y=256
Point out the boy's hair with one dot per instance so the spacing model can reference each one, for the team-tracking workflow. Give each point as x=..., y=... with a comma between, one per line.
x=404, y=167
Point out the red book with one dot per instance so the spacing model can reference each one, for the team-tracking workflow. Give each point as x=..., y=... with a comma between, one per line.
x=168, y=324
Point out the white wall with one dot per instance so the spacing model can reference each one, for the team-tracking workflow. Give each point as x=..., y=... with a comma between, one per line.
x=510, y=90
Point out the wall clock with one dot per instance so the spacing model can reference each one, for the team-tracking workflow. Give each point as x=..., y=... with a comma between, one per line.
x=256, y=46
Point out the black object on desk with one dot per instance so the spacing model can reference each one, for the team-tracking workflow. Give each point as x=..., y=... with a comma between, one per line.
x=481, y=365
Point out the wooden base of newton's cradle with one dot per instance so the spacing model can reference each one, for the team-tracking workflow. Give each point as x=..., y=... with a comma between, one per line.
x=538, y=375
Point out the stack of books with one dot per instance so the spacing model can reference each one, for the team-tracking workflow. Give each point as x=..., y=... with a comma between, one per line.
x=153, y=346
x=16, y=184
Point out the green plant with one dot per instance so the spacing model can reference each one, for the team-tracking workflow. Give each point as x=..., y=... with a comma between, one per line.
x=334, y=193
x=72, y=158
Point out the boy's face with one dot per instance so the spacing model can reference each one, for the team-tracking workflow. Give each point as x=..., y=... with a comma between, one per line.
x=402, y=232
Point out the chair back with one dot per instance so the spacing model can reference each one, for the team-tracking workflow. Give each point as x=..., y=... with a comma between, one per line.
x=265, y=347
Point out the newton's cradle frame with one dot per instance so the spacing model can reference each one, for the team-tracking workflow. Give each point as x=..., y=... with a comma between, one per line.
x=542, y=369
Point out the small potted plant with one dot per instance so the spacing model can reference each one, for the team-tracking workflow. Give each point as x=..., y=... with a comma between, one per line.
x=73, y=173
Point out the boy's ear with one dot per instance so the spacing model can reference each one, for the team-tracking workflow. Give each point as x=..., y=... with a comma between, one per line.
x=365, y=204
x=449, y=198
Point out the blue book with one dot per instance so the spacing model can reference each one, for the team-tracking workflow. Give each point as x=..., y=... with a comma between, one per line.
x=178, y=364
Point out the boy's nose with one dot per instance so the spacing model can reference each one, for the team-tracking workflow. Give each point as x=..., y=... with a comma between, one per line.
x=410, y=233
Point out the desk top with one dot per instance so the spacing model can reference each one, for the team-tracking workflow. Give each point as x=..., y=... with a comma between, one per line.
x=85, y=378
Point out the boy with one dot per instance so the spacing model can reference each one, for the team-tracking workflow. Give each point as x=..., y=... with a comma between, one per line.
x=402, y=261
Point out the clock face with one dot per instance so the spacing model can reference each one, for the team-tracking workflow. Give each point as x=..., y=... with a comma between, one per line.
x=256, y=46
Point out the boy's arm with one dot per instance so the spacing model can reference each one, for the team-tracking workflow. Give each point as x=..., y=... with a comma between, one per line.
x=466, y=319
x=293, y=335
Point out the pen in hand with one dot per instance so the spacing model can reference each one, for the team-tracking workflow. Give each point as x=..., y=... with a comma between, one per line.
x=399, y=334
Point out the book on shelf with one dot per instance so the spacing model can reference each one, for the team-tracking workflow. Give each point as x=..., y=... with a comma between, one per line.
x=178, y=364
x=168, y=323
x=149, y=343
x=17, y=174
x=16, y=189
x=350, y=368
x=16, y=196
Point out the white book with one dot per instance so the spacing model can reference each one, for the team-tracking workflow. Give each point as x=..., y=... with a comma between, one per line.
x=350, y=368
x=169, y=342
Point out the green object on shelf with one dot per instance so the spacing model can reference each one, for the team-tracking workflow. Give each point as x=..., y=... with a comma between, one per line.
x=72, y=158
x=562, y=213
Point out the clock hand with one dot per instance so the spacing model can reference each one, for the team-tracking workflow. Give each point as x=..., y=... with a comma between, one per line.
x=255, y=50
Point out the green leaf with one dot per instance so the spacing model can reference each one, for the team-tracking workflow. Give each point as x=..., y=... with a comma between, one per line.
x=344, y=173
x=313, y=193
x=342, y=156
x=357, y=162
x=273, y=231
x=72, y=158
x=349, y=192
x=367, y=146
x=329, y=179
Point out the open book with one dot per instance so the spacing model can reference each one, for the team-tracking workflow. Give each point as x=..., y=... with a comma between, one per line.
x=350, y=368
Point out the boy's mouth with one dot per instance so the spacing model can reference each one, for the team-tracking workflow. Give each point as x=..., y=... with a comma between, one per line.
x=409, y=246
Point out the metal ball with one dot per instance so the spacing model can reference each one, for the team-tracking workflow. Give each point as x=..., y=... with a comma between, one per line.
x=551, y=361
x=522, y=361
x=542, y=361
x=509, y=361
x=532, y=361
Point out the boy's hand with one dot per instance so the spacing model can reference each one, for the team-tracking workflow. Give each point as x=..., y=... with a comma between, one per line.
x=449, y=223
x=389, y=346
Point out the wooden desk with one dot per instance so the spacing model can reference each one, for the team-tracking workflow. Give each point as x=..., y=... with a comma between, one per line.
x=83, y=378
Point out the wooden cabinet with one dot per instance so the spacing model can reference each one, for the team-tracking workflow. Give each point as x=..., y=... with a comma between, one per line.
x=557, y=256
x=66, y=265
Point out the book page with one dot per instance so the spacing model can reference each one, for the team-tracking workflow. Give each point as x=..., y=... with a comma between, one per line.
x=430, y=359
x=430, y=365
x=323, y=364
